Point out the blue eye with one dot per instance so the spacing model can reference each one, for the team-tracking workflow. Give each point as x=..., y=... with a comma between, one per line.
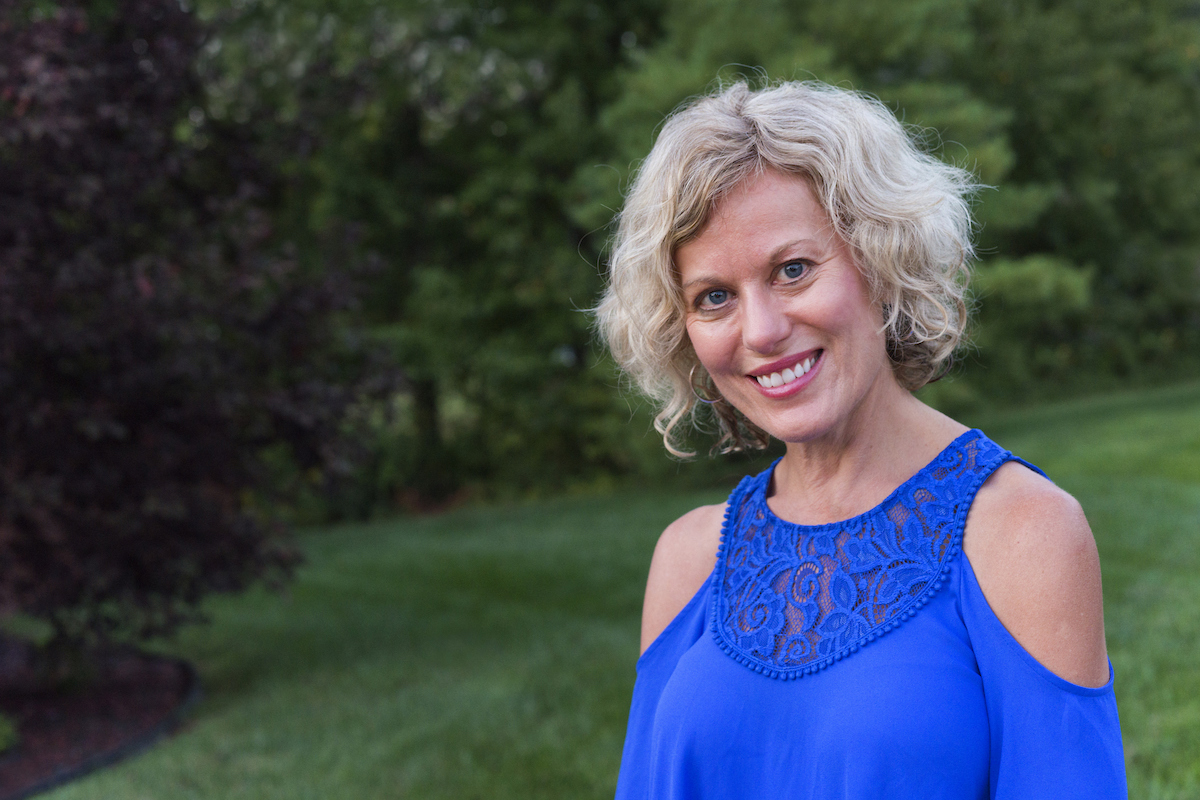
x=715, y=298
x=794, y=269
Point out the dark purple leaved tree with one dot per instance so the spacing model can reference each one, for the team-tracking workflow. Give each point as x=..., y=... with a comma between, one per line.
x=155, y=342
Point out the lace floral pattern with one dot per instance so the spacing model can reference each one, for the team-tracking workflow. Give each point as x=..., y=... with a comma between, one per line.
x=792, y=599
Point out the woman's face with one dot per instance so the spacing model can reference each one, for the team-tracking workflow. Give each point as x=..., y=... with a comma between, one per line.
x=779, y=314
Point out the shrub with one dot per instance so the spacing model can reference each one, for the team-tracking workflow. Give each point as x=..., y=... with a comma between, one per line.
x=153, y=342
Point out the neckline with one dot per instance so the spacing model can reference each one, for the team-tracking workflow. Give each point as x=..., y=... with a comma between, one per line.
x=792, y=604
x=760, y=491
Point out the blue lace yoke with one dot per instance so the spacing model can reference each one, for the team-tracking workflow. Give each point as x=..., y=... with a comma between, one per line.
x=911, y=687
x=793, y=599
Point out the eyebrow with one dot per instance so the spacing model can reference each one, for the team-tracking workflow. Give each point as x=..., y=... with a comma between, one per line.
x=775, y=255
x=697, y=281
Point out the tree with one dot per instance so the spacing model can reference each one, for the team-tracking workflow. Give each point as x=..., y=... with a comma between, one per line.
x=481, y=148
x=451, y=133
x=155, y=348
x=1105, y=116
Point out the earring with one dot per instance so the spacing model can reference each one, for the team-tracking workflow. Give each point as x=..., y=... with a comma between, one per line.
x=704, y=388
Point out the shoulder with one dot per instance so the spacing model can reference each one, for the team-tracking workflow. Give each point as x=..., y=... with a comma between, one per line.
x=1034, y=556
x=683, y=558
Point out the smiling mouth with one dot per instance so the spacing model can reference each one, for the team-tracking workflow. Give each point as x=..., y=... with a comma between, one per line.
x=787, y=375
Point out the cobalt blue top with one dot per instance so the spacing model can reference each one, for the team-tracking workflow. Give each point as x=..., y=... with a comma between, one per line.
x=860, y=660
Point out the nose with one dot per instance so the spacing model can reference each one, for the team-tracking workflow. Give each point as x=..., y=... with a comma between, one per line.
x=765, y=323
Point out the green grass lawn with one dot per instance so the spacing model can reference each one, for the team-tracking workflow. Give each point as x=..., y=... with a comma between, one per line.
x=488, y=652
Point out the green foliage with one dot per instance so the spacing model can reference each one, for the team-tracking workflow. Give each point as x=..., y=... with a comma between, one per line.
x=449, y=135
x=1031, y=310
x=10, y=737
x=481, y=147
x=1105, y=112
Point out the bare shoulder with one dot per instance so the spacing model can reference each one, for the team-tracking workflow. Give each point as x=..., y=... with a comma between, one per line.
x=1032, y=551
x=683, y=558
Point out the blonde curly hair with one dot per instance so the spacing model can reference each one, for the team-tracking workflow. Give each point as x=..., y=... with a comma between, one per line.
x=904, y=213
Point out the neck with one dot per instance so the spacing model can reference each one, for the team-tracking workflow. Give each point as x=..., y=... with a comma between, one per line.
x=854, y=467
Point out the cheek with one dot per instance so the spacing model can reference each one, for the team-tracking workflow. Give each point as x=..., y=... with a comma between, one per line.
x=709, y=345
x=870, y=345
x=851, y=318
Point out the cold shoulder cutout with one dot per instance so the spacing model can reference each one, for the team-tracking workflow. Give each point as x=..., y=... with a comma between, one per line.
x=1035, y=559
x=860, y=660
x=683, y=558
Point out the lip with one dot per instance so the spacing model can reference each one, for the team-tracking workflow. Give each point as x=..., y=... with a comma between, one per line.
x=787, y=389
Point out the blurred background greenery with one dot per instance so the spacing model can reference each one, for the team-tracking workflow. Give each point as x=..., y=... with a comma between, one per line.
x=482, y=148
x=467, y=159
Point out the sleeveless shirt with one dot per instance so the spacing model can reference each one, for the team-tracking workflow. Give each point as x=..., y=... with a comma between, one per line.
x=857, y=660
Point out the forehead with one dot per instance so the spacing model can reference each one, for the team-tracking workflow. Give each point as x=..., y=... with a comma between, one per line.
x=754, y=220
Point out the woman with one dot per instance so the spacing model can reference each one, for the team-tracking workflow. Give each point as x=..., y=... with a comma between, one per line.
x=898, y=607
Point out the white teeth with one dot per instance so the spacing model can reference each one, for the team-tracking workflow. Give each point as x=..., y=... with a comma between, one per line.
x=787, y=376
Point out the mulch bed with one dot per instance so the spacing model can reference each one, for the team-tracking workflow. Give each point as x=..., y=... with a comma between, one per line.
x=134, y=700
